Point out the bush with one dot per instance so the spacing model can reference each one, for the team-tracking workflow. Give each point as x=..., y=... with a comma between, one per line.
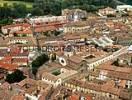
x=16, y=76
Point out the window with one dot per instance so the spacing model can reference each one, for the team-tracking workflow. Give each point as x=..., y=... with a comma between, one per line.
x=110, y=95
x=62, y=61
x=126, y=86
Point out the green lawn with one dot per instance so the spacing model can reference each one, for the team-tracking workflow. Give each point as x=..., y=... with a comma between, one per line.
x=28, y=4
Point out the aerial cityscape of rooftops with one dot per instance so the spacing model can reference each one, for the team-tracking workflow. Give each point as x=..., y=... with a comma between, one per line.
x=65, y=49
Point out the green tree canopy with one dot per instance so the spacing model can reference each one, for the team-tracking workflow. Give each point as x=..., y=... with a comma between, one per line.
x=16, y=76
x=37, y=11
x=39, y=61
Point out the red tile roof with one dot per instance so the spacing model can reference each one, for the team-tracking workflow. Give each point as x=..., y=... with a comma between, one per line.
x=6, y=63
x=15, y=50
x=5, y=86
x=107, y=66
x=27, y=31
x=17, y=25
x=2, y=75
x=20, y=60
x=88, y=98
x=74, y=97
x=17, y=97
x=9, y=67
x=6, y=59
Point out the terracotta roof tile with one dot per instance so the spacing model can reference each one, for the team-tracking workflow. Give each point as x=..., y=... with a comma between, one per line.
x=16, y=25
x=16, y=60
x=17, y=97
x=74, y=97
x=26, y=31
x=9, y=67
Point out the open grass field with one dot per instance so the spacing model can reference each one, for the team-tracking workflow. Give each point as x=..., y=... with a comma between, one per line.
x=28, y=4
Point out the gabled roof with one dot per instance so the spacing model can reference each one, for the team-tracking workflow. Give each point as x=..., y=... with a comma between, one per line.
x=9, y=67
x=17, y=97
x=17, y=25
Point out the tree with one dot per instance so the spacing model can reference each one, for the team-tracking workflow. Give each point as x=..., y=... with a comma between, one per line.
x=39, y=61
x=37, y=11
x=8, y=12
x=55, y=33
x=20, y=10
x=49, y=6
x=53, y=57
x=23, y=0
x=6, y=21
x=16, y=76
x=116, y=63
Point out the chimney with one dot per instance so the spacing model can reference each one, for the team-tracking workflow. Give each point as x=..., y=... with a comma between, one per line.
x=21, y=50
x=8, y=50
